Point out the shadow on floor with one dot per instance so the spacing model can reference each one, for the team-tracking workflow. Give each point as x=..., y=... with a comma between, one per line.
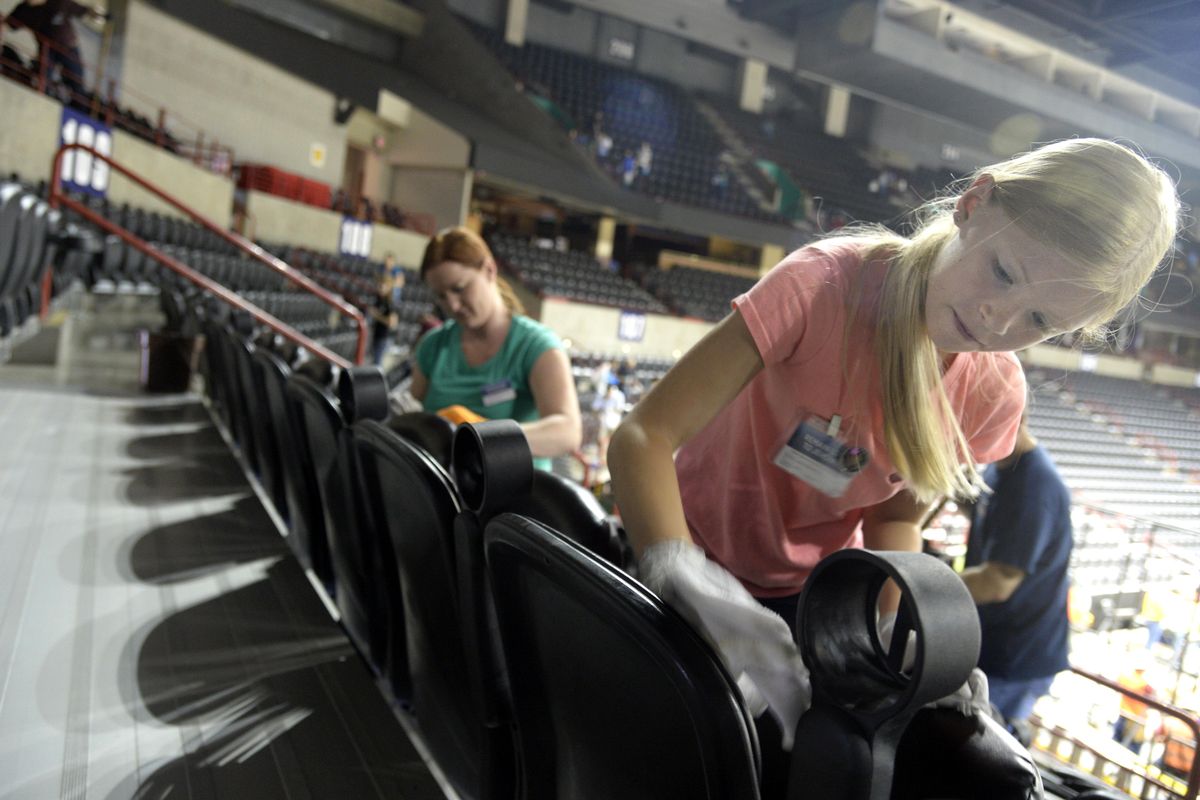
x=183, y=408
x=196, y=478
x=284, y=706
x=202, y=442
x=194, y=547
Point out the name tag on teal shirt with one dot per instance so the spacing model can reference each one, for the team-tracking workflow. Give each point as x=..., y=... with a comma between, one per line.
x=499, y=392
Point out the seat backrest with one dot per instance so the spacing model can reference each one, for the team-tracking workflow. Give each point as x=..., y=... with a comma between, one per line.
x=418, y=503
x=565, y=506
x=430, y=431
x=247, y=399
x=270, y=376
x=306, y=516
x=364, y=592
x=614, y=694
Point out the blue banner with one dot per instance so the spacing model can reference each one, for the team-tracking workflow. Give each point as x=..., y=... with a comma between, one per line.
x=80, y=170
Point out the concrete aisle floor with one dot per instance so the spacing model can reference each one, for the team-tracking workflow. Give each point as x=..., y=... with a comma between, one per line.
x=157, y=638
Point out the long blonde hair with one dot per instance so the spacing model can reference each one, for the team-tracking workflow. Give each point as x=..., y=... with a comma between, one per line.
x=468, y=248
x=1097, y=203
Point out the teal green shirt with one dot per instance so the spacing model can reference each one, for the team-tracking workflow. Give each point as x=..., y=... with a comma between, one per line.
x=498, y=388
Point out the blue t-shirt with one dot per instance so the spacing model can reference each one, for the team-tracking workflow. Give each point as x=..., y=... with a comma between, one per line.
x=1026, y=523
x=496, y=389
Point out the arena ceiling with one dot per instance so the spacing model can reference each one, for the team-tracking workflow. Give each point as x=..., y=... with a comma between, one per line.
x=1163, y=35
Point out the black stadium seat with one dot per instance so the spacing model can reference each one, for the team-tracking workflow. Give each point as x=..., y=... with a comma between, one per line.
x=273, y=374
x=366, y=586
x=306, y=523
x=418, y=503
x=614, y=695
x=268, y=374
x=431, y=432
x=573, y=511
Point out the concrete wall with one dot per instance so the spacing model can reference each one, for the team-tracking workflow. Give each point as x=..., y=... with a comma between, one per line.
x=896, y=134
x=265, y=114
x=1071, y=360
x=407, y=246
x=277, y=220
x=430, y=168
x=1120, y=367
x=485, y=12
x=207, y=193
x=1174, y=376
x=1045, y=355
x=594, y=328
x=665, y=56
x=445, y=193
x=29, y=139
x=29, y=132
x=574, y=30
x=425, y=142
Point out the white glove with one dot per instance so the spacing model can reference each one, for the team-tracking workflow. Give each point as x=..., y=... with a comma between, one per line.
x=971, y=696
x=754, y=642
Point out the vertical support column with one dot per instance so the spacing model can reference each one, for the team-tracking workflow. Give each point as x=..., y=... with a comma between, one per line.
x=770, y=255
x=837, y=111
x=606, y=231
x=516, y=20
x=468, y=186
x=753, y=85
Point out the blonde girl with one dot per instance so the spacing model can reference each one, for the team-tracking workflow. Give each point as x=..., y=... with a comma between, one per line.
x=864, y=376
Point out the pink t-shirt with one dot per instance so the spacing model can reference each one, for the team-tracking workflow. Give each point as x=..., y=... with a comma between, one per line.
x=765, y=526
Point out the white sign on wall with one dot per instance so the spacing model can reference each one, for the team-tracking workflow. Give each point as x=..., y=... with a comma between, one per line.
x=355, y=238
x=80, y=170
x=631, y=327
x=316, y=154
x=621, y=48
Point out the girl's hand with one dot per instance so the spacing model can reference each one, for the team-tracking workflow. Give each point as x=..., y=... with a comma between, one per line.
x=754, y=643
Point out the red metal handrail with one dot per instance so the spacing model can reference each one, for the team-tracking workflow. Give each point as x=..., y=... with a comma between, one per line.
x=1193, y=783
x=58, y=198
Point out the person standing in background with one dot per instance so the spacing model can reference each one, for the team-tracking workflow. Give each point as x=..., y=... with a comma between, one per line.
x=1134, y=717
x=384, y=318
x=51, y=21
x=390, y=267
x=1018, y=552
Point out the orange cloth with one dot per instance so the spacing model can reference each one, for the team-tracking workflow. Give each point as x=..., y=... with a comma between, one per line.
x=1181, y=747
x=1134, y=681
x=459, y=414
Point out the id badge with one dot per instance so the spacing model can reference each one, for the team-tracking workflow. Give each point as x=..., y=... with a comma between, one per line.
x=815, y=455
x=499, y=392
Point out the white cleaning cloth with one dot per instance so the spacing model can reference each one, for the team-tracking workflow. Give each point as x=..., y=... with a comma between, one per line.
x=972, y=696
x=754, y=642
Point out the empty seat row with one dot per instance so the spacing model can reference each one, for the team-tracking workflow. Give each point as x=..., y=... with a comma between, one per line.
x=35, y=238
x=400, y=545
